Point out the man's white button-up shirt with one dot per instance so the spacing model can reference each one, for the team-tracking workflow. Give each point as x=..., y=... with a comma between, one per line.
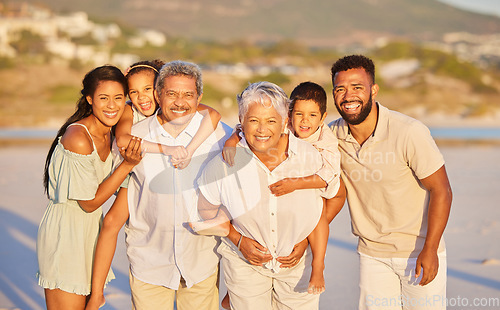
x=161, y=200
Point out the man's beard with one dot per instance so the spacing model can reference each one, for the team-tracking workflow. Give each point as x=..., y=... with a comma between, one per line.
x=356, y=119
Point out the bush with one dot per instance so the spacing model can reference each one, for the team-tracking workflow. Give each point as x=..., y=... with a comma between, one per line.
x=6, y=63
x=64, y=94
x=277, y=78
x=436, y=62
x=29, y=43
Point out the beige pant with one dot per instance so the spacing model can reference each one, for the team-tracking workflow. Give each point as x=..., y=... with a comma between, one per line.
x=254, y=287
x=203, y=295
x=390, y=284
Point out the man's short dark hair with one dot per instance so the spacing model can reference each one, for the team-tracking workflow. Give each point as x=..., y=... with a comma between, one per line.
x=309, y=91
x=354, y=62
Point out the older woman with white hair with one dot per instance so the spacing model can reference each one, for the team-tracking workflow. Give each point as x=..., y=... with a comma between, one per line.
x=264, y=229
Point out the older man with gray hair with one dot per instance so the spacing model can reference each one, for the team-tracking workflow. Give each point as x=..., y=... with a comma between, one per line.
x=169, y=263
x=264, y=228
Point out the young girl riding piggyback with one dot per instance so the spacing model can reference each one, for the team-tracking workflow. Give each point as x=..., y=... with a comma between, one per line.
x=141, y=77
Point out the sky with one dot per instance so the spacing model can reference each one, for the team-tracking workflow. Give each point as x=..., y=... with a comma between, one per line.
x=491, y=7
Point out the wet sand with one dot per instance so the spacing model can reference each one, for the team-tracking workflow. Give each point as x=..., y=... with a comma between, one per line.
x=471, y=236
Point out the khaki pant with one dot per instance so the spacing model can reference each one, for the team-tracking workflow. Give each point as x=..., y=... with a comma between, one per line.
x=203, y=295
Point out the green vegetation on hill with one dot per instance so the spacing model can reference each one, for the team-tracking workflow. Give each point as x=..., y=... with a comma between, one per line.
x=436, y=62
x=442, y=83
x=63, y=94
x=277, y=78
x=29, y=43
x=210, y=53
x=313, y=23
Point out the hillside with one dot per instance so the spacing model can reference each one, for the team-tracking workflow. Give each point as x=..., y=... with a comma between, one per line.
x=312, y=22
x=430, y=85
x=427, y=81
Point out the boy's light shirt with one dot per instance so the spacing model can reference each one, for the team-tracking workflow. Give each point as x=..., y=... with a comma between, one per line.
x=327, y=144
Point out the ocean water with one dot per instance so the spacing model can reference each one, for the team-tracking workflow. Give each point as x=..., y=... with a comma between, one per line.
x=27, y=133
x=464, y=133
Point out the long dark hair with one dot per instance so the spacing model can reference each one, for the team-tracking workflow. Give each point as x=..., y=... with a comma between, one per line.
x=83, y=108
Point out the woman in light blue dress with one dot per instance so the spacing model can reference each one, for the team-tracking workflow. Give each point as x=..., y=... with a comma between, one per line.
x=78, y=180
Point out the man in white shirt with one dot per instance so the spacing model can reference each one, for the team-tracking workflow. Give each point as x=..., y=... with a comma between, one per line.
x=168, y=262
x=265, y=228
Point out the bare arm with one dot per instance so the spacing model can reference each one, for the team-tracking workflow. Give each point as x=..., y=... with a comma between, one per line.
x=253, y=251
x=208, y=125
x=440, y=193
x=229, y=149
x=123, y=135
x=132, y=156
x=124, y=127
x=215, y=219
x=335, y=204
x=206, y=210
x=79, y=142
x=331, y=208
x=106, y=246
x=288, y=185
x=213, y=115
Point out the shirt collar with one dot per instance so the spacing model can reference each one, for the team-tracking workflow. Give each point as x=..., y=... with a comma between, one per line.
x=315, y=136
x=381, y=128
x=292, y=143
x=191, y=129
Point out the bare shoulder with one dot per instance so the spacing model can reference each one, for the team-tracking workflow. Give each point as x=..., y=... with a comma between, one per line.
x=77, y=140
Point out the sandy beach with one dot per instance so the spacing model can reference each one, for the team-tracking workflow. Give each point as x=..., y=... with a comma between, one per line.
x=471, y=235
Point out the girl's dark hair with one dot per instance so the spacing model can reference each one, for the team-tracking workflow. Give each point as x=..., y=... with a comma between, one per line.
x=153, y=66
x=83, y=108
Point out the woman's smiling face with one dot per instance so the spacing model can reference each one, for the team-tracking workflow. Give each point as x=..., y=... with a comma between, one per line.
x=108, y=102
x=262, y=126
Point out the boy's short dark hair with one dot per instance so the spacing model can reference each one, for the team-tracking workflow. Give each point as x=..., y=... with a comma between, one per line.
x=309, y=91
x=354, y=62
